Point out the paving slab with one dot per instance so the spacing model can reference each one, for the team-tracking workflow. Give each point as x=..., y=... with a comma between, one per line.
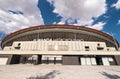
x=29, y=71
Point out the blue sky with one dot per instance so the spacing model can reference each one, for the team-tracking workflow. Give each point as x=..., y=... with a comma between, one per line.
x=103, y=15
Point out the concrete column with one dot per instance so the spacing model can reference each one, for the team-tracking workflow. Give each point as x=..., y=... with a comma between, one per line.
x=38, y=60
x=117, y=58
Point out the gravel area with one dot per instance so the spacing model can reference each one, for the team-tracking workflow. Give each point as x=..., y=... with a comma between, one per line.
x=29, y=71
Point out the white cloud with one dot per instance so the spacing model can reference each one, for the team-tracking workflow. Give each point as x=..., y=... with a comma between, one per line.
x=98, y=26
x=29, y=16
x=70, y=21
x=61, y=22
x=82, y=10
x=118, y=21
x=117, y=5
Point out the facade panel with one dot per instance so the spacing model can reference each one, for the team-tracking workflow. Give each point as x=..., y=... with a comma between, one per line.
x=3, y=61
x=93, y=61
x=105, y=61
x=88, y=61
x=83, y=61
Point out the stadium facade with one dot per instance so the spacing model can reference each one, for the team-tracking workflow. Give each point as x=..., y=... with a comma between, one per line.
x=60, y=44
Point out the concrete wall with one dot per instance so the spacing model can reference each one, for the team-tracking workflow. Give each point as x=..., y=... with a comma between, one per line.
x=59, y=46
x=70, y=50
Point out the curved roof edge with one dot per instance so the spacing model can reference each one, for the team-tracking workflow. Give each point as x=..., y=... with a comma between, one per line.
x=59, y=26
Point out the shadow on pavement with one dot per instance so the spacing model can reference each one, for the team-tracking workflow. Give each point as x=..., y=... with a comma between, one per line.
x=110, y=76
x=49, y=75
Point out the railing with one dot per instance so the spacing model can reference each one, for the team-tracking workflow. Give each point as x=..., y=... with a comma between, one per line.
x=58, y=39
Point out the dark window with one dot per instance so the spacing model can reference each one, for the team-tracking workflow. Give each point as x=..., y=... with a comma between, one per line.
x=100, y=48
x=87, y=48
x=19, y=44
x=17, y=47
x=107, y=49
x=98, y=44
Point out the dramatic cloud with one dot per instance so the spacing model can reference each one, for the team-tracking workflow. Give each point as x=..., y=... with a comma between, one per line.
x=117, y=5
x=82, y=10
x=15, y=15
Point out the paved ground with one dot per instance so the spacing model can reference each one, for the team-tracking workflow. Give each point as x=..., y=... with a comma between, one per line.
x=29, y=71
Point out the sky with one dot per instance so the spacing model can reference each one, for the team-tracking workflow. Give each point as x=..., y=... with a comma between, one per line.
x=103, y=15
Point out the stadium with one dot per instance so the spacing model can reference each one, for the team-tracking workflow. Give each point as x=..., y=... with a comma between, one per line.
x=59, y=44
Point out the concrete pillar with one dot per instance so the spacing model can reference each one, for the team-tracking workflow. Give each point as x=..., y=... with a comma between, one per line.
x=117, y=58
x=38, y=60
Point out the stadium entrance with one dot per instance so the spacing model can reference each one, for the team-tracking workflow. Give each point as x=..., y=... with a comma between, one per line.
x=51, y=59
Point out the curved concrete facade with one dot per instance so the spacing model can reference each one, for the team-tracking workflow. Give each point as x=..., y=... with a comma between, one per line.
x=57, y=32
x=60, y=44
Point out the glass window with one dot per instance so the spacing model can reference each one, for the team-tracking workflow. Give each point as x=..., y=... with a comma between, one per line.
x=87, y=48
